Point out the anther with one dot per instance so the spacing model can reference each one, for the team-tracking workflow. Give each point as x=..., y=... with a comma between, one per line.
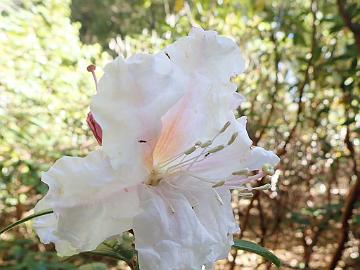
x=268, y=169
x=198, y=143
x=206, y=144
x=219, y=184
x=190, y=150
x=233, y=138
x=216, y=149
x=227, y=124
x=241, y=172
x=263, y=187
x=246, y=195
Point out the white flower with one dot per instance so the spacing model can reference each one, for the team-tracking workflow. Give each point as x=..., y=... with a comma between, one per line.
x=171, y=151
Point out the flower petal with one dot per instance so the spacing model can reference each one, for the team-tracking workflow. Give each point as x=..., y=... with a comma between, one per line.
x=219, y=221
x=208, y=61
x=199, y=115
x=90, y=204
x=133, y=95
x=205, y=52
x=166, y=240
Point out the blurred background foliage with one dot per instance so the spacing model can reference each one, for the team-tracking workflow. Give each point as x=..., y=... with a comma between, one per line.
x=303, y=96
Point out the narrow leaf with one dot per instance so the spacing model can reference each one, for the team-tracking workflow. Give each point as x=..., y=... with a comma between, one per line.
x=38, y=214
x=255, y=248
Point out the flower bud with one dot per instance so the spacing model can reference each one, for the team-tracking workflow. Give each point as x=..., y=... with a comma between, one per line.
x=95, y=127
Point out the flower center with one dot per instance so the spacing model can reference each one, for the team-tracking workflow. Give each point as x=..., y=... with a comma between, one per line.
x=169, y=171
x=155, y=177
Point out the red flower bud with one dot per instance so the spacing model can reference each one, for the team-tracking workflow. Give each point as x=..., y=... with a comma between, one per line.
x=95, y=127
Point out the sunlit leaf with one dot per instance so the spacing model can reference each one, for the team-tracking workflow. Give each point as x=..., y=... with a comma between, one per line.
x=255, y=248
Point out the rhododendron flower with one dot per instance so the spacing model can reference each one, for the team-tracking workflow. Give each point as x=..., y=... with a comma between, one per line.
x=171, y=152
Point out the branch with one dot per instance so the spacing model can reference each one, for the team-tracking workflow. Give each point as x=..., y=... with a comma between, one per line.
x=349, y=204
x=354, y=28
x=273, y=95
x=283, y=150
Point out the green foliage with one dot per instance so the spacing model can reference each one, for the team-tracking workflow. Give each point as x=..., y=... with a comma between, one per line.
x=294, y=49
x=18, y=222
x=117, y=18
x=21, y=255
x=45, y=93
x=121, y=248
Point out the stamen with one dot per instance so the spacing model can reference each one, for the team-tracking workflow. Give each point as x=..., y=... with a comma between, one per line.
x=170, y=160
x=206, y=144
x=224, y=128
x=216, y=149
x=232, y=138
x=190, y=150
x=231, y=182
x=91, y=68
x=268, y=169
x=219, y=184
x=198, y=143
x=263, y=187
x=241, y=172
x=184, y=163
x=199, y=178
x=246, y=195
x=187, y=152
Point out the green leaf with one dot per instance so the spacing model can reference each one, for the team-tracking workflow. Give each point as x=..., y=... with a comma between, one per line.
x=255, y=248
x=38, y=214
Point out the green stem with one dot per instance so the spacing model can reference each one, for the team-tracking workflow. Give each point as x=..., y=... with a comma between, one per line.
x=38, y=214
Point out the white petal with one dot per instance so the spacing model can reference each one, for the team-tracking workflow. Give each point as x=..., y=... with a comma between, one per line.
x=207, y=53
x=219, y=221
x=208, y=61
x=199, y=115
x=132, y=97
x=90, y=204
x=167, y=240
